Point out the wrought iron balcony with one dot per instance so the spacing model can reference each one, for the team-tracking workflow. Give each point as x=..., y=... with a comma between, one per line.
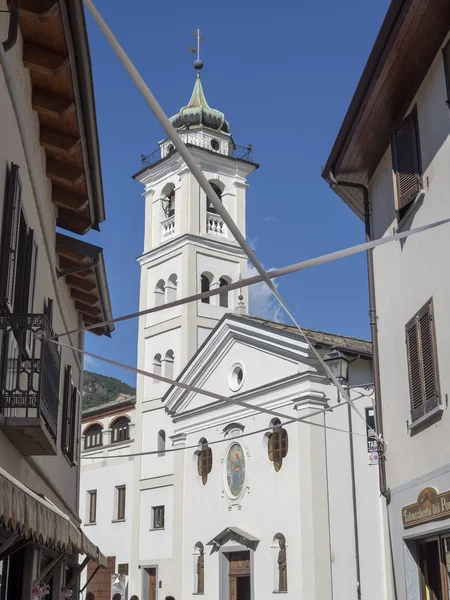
x=239, y=152
x=29, y=383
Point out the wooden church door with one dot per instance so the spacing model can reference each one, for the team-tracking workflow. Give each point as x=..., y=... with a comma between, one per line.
x=239, y=574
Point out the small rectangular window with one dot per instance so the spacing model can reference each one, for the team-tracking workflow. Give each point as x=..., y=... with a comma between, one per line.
x=158, y=517
x=121, y=496
x=406, y=161
x=92, y=504
x=422, y=362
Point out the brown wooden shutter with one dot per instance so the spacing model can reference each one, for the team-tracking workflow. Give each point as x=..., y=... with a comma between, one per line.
x=10, y=238
x=422, y=362
x=415, y=376
x=406, y=159
x=426, y=331
x=446, y=57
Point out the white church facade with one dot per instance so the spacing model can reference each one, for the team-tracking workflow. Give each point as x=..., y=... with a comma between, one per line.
x=277, y=491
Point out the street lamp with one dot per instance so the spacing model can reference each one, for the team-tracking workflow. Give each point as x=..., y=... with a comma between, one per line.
x=338, y=364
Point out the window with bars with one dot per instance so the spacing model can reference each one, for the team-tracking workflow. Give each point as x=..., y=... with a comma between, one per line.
x=422, y=362
x=18, y=252
x=92, y=506
x=406, y=161
x=120, y=431
x=204, y=461
x=69, y=437
x=446, y=57
x=93, y=436
x=157, y=517
x=120, y=502
x=277, y=444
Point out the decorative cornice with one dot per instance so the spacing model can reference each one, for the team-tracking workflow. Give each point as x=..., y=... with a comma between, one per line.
x=188, y=238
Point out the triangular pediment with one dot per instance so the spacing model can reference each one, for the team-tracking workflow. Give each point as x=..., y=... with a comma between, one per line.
x=236, y=535
x=266, y=355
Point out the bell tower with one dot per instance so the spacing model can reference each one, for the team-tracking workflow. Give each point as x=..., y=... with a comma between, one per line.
x=187, y=246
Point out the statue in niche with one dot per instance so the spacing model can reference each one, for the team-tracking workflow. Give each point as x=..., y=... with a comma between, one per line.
x=201, y=572
x=282, y=567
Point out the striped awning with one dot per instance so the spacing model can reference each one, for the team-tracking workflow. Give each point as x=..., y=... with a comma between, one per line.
x=32, y=516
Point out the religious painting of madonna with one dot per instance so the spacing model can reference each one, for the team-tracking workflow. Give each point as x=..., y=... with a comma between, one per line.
x=235, y=469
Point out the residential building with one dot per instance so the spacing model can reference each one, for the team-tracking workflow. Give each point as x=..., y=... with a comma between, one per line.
x=390, y=165
x=106, y=491
x=234, y=502
x=50, y=284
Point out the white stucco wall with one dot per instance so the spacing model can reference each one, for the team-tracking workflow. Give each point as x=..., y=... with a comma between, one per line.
x=48, y=475
x=407, y=275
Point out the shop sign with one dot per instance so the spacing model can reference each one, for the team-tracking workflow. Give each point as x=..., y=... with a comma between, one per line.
x=429, y=506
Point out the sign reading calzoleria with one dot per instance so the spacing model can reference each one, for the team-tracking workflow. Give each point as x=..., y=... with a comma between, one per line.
x=429, y=506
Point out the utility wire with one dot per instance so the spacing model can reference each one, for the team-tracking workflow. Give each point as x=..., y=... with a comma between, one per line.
x=258, y=431
x=190, y=388
x=206, y=186
x=294, y=268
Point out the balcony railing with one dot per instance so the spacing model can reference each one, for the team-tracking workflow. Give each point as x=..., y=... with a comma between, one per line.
x=29, y=375
x=215, y=224
x=240, y=152
x=167, y=228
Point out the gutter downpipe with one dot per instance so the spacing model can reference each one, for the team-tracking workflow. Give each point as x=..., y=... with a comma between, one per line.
x=373, y=319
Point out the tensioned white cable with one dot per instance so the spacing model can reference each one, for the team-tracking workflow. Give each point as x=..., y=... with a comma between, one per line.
x=188, y=387
x=205, y=185
x=300, y=266
x=257, y=431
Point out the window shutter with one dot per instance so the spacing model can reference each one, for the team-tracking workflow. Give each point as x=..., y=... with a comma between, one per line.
x=73, y=425
x=10, y=238
x=66, y=411
x=415, y=376
x=29, y=283
x=406, y=159
x=430, y=388
x=446, y=57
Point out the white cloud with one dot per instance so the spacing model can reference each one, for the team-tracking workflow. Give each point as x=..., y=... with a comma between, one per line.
x=262, y=303
x=89, y=362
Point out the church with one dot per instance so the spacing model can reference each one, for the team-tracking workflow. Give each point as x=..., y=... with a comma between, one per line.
x=277, y=491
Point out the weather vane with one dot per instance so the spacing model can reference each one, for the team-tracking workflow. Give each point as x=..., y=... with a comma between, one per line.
x=198, y=64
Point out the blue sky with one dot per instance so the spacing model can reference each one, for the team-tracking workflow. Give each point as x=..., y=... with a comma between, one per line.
x=283, y=74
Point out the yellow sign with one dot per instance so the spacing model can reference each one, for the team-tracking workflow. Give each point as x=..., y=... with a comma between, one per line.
x=429, y=506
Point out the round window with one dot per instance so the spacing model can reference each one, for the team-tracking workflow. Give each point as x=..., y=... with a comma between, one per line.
x=215, y=144
x=236, y=377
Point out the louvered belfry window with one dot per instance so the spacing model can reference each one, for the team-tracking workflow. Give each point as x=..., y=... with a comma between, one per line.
x=422, y=362
x=446, y=57
x=406, y=160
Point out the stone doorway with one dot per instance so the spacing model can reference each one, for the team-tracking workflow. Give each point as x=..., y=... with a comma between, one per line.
x=239, y=575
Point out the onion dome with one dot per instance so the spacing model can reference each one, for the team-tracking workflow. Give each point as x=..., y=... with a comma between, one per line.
x=198, y=113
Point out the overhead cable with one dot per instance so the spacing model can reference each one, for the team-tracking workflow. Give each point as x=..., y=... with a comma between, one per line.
x=207, y=188
x=250, y=433
x=191, y=388
x=272, y=274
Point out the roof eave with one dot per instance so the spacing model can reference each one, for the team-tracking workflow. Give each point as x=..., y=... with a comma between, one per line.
x=84, y=80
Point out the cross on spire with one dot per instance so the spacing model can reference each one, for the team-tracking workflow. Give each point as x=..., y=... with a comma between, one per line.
x=198, y=64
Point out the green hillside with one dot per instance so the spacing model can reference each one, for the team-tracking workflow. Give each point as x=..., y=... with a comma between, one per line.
x=98, y=389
